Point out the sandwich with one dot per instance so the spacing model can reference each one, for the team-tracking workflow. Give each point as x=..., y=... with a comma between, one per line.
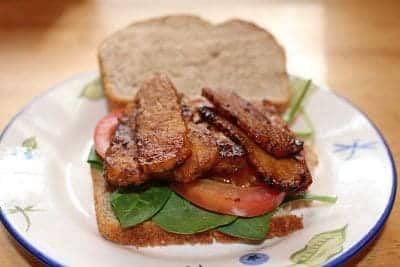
x=194, y=149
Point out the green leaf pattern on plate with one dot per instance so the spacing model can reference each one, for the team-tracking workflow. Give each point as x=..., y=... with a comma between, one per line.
x=93, y=90
x=320, y=248
x=30, y=143
x=24, y=212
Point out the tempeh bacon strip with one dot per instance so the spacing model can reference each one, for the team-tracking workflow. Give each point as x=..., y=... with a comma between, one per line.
x=288, y=174
x=278, y=141
x=121, y=167
x=161, y=131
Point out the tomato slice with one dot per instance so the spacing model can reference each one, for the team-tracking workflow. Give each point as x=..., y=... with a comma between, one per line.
x=229, y=198
x=105, y=130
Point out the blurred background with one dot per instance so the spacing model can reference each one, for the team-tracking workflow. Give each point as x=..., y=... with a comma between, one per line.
x=353, y=46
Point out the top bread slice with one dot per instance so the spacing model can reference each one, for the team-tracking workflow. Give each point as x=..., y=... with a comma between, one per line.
x=235, y=55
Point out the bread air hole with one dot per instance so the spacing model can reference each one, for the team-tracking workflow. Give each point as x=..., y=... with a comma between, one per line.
x=214, y=54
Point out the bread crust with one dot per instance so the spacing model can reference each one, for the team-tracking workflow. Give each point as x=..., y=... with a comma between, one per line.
x=114, y=101
x=149, y=234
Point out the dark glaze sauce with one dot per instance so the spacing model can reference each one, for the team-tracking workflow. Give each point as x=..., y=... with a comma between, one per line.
x=245, y=177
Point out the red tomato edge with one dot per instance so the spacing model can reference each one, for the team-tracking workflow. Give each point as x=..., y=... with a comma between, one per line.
x=244, y=202
x=104, y=130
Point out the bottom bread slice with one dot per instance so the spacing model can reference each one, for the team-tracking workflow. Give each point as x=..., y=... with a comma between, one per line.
x=149, y=234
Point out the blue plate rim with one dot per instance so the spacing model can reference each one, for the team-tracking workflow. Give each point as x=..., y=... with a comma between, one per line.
x=342, y=258
x=374, y=231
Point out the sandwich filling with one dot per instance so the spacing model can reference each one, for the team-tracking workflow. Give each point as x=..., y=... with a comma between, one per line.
x=194, y=165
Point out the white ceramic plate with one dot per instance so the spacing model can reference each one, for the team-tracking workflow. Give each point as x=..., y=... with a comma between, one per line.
x=53, y=186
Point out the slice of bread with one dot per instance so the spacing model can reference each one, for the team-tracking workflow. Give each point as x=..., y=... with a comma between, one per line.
x=235, y=55
x=149, y=234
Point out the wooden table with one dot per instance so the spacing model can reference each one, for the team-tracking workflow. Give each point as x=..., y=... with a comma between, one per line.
x=352, y=46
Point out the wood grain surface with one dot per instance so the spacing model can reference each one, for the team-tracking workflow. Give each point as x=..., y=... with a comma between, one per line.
x=351, y=46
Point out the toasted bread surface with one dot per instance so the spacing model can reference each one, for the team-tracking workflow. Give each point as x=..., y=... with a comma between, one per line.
x=194, y=53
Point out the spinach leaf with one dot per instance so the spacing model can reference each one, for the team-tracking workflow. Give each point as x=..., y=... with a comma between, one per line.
x=181, y=217
x=255, y=228
x=135, y=207
x=94, y=159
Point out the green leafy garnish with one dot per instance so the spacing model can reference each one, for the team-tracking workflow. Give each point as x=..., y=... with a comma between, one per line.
x=93, y=90
x=176, y=215
x=94, y=159
x=326, y=199
x=320, y=248
x=309, y=124
x=304, y=134
x=255, y=228
x=30, y=143
x=295, y=106
x=135, y=207
x=181, y=217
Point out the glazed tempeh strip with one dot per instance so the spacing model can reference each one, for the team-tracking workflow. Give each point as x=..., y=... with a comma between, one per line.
x=278, y=141
x=204, y=154
x=288, y=174
x=121, y=167
x=160, y=128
